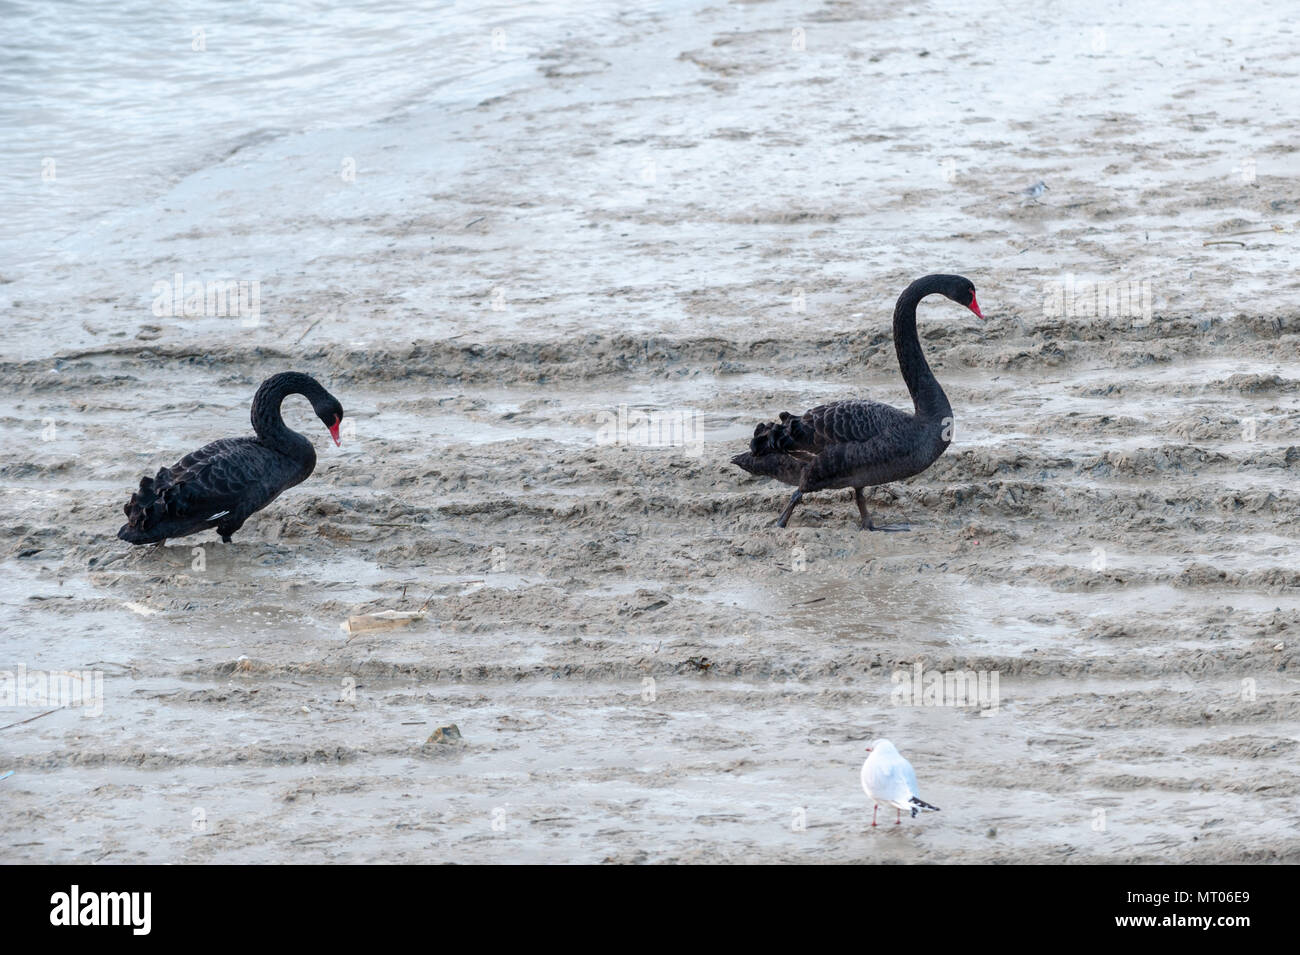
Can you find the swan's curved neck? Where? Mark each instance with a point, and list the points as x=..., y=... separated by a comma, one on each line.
x=927, y=397
x=267, y=421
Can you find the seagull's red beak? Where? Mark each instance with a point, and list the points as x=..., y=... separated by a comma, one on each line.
x=334, y=429
x=974, y=306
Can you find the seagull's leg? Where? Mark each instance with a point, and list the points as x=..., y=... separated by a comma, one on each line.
x=866, y=518
x=899, y=820
x=789, y=509
x=874, y=810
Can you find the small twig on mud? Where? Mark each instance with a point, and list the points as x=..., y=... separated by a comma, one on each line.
x=1273, y=228
x=30, y=718
x=309, y=328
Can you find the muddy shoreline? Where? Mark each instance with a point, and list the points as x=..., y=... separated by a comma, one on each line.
x=642, y=667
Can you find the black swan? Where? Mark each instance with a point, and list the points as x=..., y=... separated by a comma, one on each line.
x=223, y=484
x=861, y=444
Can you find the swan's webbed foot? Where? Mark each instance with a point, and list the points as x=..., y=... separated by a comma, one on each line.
x=789, y=509
x=866, y=524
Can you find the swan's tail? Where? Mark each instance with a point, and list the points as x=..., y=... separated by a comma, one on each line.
x=783, y=467
x=147, y=508
x=918, y=805
x=779, y=449
x=782, y=437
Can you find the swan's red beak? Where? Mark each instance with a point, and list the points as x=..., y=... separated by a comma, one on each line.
x=334, y=430
x=974, y=306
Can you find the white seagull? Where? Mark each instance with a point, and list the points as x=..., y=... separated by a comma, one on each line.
x=887, y=777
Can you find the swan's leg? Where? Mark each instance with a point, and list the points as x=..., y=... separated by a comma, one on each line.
x=789, y=509
x=866, y=518
x=862, y=508
x=228, y=525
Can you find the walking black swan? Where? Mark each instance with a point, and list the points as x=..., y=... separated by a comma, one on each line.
x=857, y=444
x=223, y=484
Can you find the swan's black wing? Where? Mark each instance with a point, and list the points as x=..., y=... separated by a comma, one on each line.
x=219, y=485
x=784, y=449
